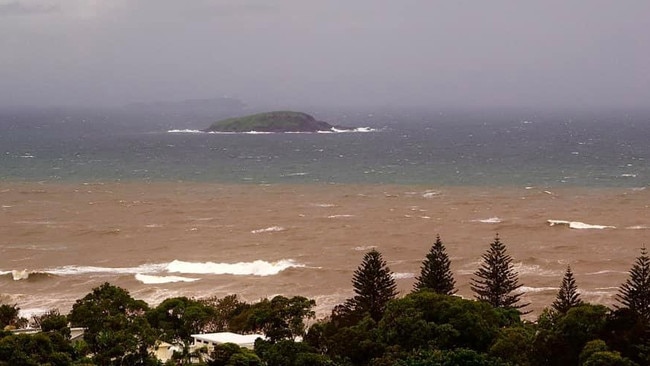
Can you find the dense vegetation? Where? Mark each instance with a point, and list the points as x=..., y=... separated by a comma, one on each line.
x=280, y=121
x=375, y=327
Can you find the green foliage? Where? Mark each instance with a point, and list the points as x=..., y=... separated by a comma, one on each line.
x=224, y=312
x=628, y=333
x=568, y=296
x=634, y=294
x=514, y=345
x=456, y=357
x=561, y=338
x=230, y=354
x=496, y=281
x=289, y=353
x=116, y=330
x=9, y=316
x=373, y=285
x=176, y=319
x=278, y=318
x=435, y=273
x=32, y=349
x=279, y=121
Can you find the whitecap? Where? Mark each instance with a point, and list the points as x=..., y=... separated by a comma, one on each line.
x=268, y=229
x=605, y=271
x=578, y=225
x=149, y=279
x=402, y=275
x=255, y=268
x=638, y=227
x=338, y=216
x=20, y=274
x=491, y=220
x=323, y=204
x=185, y=131
x=534, y=270
x=430, y=194
x=628, y=175
x=364, y=248
x=526, y=289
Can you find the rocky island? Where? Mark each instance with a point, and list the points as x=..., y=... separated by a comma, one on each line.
x=279, y=121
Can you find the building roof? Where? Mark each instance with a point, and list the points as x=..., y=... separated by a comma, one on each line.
x=228, y=337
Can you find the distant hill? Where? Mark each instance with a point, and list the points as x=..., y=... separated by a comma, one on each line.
x=278, y=121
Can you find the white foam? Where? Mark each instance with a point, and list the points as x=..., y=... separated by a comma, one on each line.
x=78, y=270
x=338, y=216
x=364, y=248
x=185, y=131
x=149, y=279
x=534, y=270
x=525, y=289
x=605, y=271
x=20, y=274
x=402, y=275
x=323, y=204
x=430, y=194
x=268, y=229
x=638, y=227
x=491, y=220
x=578, y=225
x=255, y=268
x=298, y=174
x=628, y=175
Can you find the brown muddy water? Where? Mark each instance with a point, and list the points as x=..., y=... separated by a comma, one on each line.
x=158, y=240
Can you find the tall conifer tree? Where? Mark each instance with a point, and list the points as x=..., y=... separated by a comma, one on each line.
x=634, y=294
x=435, y=272
x=568, y=296
x=496, y=281
x=373, y=284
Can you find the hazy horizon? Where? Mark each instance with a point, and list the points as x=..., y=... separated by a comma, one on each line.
x=441, y=54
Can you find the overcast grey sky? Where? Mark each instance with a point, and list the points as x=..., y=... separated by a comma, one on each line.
x=287, y=52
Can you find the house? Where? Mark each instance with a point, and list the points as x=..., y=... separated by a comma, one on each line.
x=210, y=340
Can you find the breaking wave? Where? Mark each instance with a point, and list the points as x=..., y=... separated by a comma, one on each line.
x=268, y=229
x=157, y=271
x=491, y=220
x=578, y=225
x=255, y=268
x=150, y=280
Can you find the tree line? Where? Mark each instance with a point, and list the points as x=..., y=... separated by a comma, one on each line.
x=375, y=327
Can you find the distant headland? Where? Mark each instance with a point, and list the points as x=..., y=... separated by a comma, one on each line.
x=277, y=121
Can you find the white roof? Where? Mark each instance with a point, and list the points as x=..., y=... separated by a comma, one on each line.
x=227, y=337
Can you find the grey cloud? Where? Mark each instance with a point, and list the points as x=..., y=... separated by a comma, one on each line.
x=21, y=8
x=542, y=53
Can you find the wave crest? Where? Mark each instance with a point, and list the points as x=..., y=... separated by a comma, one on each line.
x=255, y=268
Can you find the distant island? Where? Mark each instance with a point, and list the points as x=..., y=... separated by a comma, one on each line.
x=278, y=121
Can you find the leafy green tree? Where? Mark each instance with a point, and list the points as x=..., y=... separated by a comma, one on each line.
x=435, y=272
x=10, y=316
x=596, y=353
x=496, y=282
x=456, y=357
x=230, y=354
x=225, y=310
x=626, y=332
x=373, y=285
x=514, y=345
x=176, y=319
x=561, y=338
x=117, y=333
x=279, y=318
x=634, y=294
x=290, y=353
x=568, y=296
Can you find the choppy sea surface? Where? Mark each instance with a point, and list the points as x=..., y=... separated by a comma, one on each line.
x=609, y=149
x=151, y=204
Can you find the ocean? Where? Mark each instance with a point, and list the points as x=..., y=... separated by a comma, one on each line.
x=150, y=203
